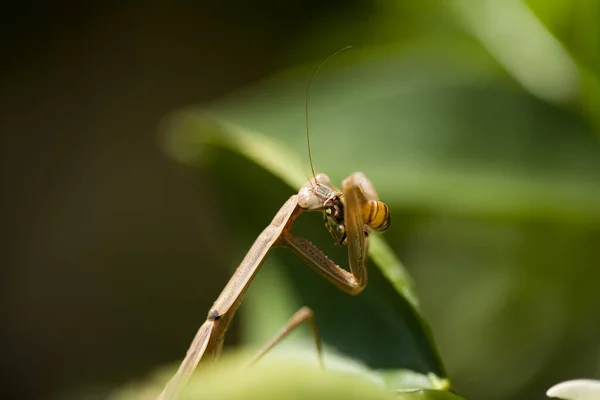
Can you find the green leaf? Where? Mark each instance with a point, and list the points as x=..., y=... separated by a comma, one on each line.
x=524, y=47
x=446, y=141
x=273, y=379
x=402, y=335
x=427, y=394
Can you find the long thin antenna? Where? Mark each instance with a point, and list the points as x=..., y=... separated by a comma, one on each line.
x=312, y=168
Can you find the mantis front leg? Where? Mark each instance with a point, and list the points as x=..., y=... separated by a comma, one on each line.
x=354, y=212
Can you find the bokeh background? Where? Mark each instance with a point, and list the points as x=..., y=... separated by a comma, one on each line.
x=478, y=122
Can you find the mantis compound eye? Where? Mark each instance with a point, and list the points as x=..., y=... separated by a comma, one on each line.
x=316, y=193
x=323, y=180
x=308, y=200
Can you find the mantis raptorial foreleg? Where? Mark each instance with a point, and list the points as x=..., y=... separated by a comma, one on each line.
x=350, y=213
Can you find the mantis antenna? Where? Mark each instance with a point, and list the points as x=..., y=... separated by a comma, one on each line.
x=312, y=168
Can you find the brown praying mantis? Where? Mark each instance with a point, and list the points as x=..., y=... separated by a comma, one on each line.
x=349, y=216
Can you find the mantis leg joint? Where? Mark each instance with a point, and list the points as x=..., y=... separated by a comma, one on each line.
x=213, y=315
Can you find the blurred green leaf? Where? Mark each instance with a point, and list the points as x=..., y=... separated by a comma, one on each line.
x=409, y=379
x=274, y=379
x=513, y=34
x=427, y=394
x=549, y=47
x=452, y=143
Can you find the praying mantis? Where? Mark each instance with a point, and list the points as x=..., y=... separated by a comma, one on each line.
x=349, y=215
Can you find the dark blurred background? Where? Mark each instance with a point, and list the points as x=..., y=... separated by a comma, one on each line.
x=110, y=239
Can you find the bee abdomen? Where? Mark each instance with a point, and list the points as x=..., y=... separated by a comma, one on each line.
x=376, y=215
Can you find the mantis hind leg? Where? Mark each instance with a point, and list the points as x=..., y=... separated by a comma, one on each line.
x=304, y=314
